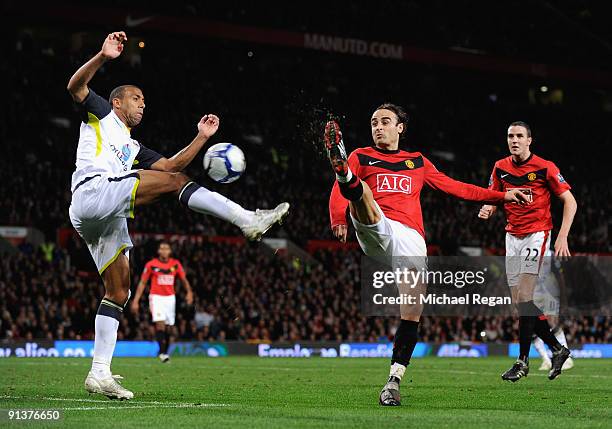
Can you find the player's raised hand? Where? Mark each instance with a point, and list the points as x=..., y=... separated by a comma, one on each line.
x=113, y=45
x=486, y=211
x=516, y=196
x=340, y=232
x=562, y=248
x=208, y=125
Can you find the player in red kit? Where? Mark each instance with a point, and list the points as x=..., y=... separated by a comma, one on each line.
x=381, y=186
x=528, y=239
x=162, y=299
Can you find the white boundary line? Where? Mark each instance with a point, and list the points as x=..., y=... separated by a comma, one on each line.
x=137, y=404
x=134, y=407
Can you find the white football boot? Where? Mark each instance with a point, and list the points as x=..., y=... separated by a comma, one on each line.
x=108, y=386
x=263, y=220
x=546, y=365
x=568, y=364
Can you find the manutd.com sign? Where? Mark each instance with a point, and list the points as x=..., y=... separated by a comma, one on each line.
x=345, y=45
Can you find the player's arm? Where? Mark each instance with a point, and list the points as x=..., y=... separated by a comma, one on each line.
x=337, y=213
x=488, y=210
x=338, y=205
x=111, y=48
x=561, y=189
x=139, y=291
x=186, y=284
x=142, y=284
x=570, y=206
x=207, y=127
x=466, y=191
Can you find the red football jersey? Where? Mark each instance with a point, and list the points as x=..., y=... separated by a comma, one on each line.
x=162, y=275
x=396, y=179
x=539, y=178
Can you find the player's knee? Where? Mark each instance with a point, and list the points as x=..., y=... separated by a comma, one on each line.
x=524, y=296
x=179, y=180
x=119, y=296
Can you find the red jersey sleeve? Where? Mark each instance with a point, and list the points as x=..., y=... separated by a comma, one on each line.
x=556, y=182
x=146, y=273
x=337, y=203
x=494, y=182
x=180, y=271
x=465, y=191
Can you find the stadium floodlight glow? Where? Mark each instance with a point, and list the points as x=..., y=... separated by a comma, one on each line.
x=141, y=44
x=544, y=88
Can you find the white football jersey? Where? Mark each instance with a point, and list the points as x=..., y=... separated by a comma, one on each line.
x=105, y=145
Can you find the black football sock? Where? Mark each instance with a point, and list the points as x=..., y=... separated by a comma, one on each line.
x=405, y=340
x=160, y=337
x=542, y=330
x=167, y=342
x=527, y=320
x=351, y=190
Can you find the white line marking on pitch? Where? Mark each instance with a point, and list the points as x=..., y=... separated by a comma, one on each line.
x=132, y=407
x=141, y=404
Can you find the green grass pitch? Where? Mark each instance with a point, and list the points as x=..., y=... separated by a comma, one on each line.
x=314, y=393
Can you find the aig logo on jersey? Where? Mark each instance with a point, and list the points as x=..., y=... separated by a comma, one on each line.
x=393, y=183
x=165, y=279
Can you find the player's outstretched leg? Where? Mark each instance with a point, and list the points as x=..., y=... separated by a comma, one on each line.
x=362, y=205
x=253, y=224
x=117, y=284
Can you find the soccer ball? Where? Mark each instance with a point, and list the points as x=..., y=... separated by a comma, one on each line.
x=224, y=162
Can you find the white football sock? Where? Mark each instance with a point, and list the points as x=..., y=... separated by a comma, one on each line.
x=397, y=370
x=211, y=203
x=539, y=346
x=560, y=336
x=104, y=345
x=344, y=179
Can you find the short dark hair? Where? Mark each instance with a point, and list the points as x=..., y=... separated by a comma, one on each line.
x=119, y=92
x=164, y=242
x=521, y=124
x=402, y=116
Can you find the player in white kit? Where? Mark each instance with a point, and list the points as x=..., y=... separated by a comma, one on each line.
x=114, y=175
x=547, y=296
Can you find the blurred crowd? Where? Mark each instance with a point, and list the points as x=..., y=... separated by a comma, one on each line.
x=273, y=103
x=242, y=292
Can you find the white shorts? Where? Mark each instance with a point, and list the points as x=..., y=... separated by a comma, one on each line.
x=392, y=243
x=99, y=210
x=163, y=308
x=525, y=254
